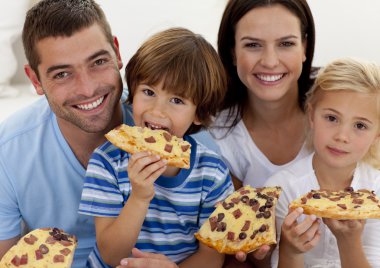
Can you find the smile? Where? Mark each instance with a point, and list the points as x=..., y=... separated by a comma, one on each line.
x=92, y=105
x=270, y=78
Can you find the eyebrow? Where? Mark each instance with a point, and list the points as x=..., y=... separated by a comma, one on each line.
x=287, y=37
x=64, y=66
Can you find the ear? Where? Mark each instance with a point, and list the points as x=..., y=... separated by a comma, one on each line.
x=304, y=45
x=196, y=121
x=118, y=57
x=310, y=115
x=34, y=79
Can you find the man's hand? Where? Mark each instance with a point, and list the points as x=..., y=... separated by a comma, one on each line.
x=146, y=260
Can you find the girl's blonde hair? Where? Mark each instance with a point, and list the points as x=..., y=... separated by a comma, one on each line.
x=348, y=74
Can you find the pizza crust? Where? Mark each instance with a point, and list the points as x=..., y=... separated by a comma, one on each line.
x=136, y=139
x=249, y=229
x=42, y=248
x=344, y=205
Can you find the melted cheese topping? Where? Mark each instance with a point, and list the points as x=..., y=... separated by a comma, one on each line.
x=359, y=203
x=136, y=139
x=236, y=225
x=22, y=248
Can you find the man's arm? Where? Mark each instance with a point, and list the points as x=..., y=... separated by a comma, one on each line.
x=5, y=245
x=205, y=257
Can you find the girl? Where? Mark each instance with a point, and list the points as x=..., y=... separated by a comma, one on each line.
x=343, y=110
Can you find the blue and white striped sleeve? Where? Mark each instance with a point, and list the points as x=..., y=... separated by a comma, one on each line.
x=101, y=195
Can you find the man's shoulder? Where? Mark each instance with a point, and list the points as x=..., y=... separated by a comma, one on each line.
x=25, y=120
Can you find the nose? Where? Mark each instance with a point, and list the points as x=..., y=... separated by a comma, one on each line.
x=158, y=108
x=85, y=84
x=269, y=57
x=342, y=134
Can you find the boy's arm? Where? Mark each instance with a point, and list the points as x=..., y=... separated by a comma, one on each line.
x=117, y=236
x=5, y=245
x=205, y=257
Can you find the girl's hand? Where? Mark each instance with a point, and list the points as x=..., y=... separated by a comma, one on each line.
x=143, y=170
x=298, y=238
x=345, y=229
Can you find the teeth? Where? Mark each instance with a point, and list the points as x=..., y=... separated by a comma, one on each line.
x=269, y=78
x=92, y=105
x=152, y=126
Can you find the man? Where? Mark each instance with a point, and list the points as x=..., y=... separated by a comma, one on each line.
x=74, y=61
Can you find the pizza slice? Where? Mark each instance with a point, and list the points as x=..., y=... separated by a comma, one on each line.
x=344, y=204
x=136, y=139
x=42, y=248
x=244, y=221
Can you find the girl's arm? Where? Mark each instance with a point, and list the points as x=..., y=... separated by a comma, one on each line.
x=297, y=238
x=348, y=235
x=117, y=236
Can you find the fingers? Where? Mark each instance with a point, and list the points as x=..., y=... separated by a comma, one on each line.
x=241, y=256
x=141, y=254
x=262, y=252
x=292, y=217
x=303, y=235
x=144, y=165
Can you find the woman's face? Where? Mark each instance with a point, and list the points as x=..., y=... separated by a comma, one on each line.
x=269, y=52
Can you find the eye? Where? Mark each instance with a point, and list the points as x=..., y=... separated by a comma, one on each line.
x=148, y=92
x=60, y=75
x=361, y=126
x=287, y=44
x=252, y=45
x=331, y=118
x=99, y=62
x=177, y=101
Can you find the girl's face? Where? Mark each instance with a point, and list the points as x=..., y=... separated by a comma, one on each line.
x=269, y=52
x=344, y=124
x=157, y=108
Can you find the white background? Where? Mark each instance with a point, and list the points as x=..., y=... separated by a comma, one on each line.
x=343, y=28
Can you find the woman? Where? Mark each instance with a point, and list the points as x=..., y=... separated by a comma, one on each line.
x=267, y=49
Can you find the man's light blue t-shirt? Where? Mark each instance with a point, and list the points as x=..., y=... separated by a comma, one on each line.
x=41, y=180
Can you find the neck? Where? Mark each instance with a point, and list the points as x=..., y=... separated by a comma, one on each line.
x=83, y=143
x=332, y=178
x=272, y=114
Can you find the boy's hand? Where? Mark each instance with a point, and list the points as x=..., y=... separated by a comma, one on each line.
x=298, y=238
x=143, y=170
x=345, y=229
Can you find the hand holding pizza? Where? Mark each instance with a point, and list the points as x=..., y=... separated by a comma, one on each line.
x=298, y=238
x=143, y=170
x=345, y=229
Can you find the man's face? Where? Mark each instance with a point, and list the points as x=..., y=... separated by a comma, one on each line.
x=80, y=77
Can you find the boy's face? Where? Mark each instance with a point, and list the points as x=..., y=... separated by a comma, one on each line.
x=80, y=77
x=156, y=108
x=345, y=124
